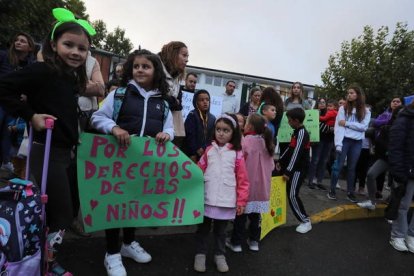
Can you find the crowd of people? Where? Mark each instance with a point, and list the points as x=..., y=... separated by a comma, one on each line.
x=235, y=150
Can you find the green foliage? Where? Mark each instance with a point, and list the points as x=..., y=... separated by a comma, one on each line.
x=35, y=17
x=31, y=16
x=99, y=39
x=117, y=43
x=383, y=67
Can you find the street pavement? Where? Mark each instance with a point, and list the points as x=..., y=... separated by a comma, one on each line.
x=355, y=247
x=355, y=243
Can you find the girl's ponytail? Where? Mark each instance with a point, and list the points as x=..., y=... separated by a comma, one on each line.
x=268, y=137
x=260, y=127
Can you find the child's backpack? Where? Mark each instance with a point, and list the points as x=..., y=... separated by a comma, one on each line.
x=22, y=213
x=119, y=96
x=20, y=228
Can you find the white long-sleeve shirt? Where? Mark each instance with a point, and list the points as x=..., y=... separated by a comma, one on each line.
x=353, y=129
x=103, y=122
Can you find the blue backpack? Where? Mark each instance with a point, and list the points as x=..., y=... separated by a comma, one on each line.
x=119, y=96
x=21, y=228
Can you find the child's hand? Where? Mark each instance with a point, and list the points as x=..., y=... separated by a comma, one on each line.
x=162, y=137
x=200, y=152
x=285, y=177
x=278, y=167
x=240, y=210
x=39, y=121
x=342, y=123
x=122, y=136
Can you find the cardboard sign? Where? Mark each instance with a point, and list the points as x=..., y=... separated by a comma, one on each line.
x=311, y=124
x=143, y=185
x=277, y=213
x=187, y=103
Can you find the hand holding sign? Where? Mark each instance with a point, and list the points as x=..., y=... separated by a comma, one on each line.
x=146, y=184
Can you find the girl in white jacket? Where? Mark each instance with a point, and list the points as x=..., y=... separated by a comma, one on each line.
x=350, y=126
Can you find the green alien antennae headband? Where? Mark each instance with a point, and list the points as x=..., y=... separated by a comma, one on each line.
x=63, y=15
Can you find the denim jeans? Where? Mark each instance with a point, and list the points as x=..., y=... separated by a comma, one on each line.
x=402, y=227
x=380, y=166
x=351, y=150
x=320, y=155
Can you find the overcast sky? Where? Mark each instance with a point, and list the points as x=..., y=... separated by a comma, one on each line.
x=289, y=40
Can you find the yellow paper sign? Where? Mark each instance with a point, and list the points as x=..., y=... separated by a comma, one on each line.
x=277, y=209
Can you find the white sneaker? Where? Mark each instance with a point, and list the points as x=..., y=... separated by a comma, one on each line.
x=399, y=244
x=367, y=204
x=135, y=252
x=304, y=227
x=232, y=247
x=337, y=185
x=409, y=240
x=253, y=245
x=113, y=265
x=8, y=166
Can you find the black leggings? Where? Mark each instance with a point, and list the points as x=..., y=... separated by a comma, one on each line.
x=112, y=238
x=59, y=214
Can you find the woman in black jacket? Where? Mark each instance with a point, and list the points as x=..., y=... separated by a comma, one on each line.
x=401, y=161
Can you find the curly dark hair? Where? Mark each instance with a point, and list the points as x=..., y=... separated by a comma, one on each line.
x=159, y=80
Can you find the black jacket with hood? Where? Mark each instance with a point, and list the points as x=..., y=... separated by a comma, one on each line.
x=401, y=146
x=198, y=135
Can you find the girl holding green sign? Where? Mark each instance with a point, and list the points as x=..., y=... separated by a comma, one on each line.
x=141, y=113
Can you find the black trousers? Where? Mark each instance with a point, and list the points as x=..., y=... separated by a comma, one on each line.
x=239, y=228
x=293, y=188
x=113, y=245
x=59, y=213
x=219, y=232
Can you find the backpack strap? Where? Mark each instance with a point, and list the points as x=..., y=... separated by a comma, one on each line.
x=118, y=99
x=166, y=110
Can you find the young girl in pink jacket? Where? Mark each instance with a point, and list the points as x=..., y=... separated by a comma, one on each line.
x=258, y=149
x=226, y=189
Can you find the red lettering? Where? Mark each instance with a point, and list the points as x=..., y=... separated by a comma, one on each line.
x=90, y=169
x=160, y=150
x=109, y=150
x=105, y=187
x=133, y=210
x=97, y=141
x=103, y=171
x=147, y=152
x=129, y=172
x=176, y=152
x=159, y=168
x=163, y=211
x=112, y=212
x=117, y=188
x=121, y=152
x=184, y=166
x=146, y=211
x=173, y=183
x=143, y=167
x=117, y=166
x=146, y=190
x=159, y=187
x=173, y=168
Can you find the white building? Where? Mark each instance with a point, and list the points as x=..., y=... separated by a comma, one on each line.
x=214, y=81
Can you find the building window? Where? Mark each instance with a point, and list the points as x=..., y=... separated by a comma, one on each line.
x=217, y=81
x=209, y=79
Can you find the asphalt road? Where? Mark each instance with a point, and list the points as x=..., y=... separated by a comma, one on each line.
x=358, y=247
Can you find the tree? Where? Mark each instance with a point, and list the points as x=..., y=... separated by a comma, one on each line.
x=78, y=8
x=117, y=43
x=382, y=67
x=99, y=39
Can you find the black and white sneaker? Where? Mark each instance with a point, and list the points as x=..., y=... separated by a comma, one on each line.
x=351, y=197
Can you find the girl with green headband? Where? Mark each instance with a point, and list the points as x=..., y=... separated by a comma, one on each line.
x=52, y=88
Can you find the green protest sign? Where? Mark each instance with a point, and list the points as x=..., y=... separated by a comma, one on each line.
x=143, y=185
x=311, y=123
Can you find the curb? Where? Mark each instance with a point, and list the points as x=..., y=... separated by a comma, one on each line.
x=348, y=212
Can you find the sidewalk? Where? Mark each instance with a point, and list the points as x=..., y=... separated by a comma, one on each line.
x=317, y=205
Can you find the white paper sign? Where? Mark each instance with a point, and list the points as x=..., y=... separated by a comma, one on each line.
x=187, y=102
